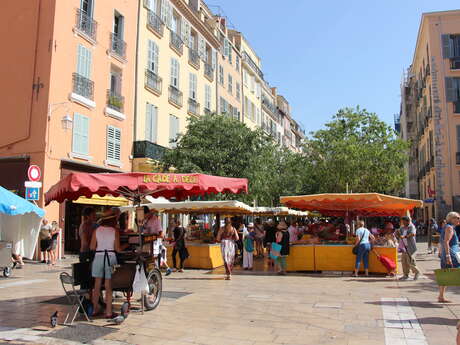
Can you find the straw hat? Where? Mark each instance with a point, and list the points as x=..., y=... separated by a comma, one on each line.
x=250, y=225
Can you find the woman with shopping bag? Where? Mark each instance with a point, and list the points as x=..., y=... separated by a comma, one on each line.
x=450, y=249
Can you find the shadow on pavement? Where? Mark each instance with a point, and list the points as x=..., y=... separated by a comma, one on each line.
x=417, y=304
x=442, y=321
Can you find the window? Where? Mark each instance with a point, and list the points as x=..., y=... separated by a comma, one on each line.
x=175, y=73
x=115, y=80
x=450, y=46
x=238, y=90
x=230, y=83
x=80, y=134
x=84, y=60
x=113, y=144
x=237, y=63
x=151, y=122
x=245, y=78
x=118, y=25
x=453, y=92
x=152, y=57
x=87, y=6
x=192, y=86
x=223, y=106
x=253, y=84
x=246, y=107
x=221, y=74
x=258, y=115
x=258, y=90
x=173, y=130
x=207, y=97
x=253, y=112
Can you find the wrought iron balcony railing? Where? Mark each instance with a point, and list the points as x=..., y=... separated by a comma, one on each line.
x=115, y=101
x=83, y=86
x=176, y=42
x=268, y=105
x=209, y=71
x=193, y=107
x=250, y=62
x=147, y=149
x=194, y=57
x=117, y=45
x=85, y=24
x=175, y=96
x=153, y=81
x=155, y=23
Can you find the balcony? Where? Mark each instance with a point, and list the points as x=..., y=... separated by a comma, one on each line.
x=269, y=106
x=208, y=71
x=83, y=86
x=155, y=23
x=207, y=111
x=147, y=149
x=175, y=96
x=85, y=24
x=117, y=46
x=115, y=101
x=252, y=64
x=194, y=58
x=193, y=107
x=153, y=82
x=176, y=43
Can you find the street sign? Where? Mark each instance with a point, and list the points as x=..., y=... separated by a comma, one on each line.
x=34, y=173
x=429, y=201
x=33, y=184
x=32, y=193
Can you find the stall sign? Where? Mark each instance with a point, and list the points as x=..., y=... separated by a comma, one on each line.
x=32, y=193
x=170, y=178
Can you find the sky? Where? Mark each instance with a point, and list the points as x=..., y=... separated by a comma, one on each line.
x=326, y=55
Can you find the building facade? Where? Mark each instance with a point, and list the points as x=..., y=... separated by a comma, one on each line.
x=74, y=97
x=429, y=115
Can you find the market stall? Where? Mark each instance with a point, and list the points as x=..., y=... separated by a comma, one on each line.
x=135, y=187
x=204, y=252
x=332, y=244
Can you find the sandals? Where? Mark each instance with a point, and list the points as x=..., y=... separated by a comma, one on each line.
x=443, y=300
x=112, y=316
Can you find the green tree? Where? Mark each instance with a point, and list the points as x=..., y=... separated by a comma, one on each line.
x=220, y=145
x=358, y=149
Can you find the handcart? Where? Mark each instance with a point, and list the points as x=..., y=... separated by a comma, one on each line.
x=6, y=249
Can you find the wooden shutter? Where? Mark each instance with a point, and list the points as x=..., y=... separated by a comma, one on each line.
x=80, y=135
x=113, y=143
x=202, y=48
x=153, y=53
x=84, y=60
x=151, y=122
x=447, y=47
x=214, y=58
x=173, y=129
x=175, y=73
x=192, y=86
x=458, y=138
x=451, y=90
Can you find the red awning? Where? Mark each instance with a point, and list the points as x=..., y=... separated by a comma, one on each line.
x=136, y=185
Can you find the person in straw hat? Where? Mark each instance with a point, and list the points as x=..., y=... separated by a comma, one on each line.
x=282, y=238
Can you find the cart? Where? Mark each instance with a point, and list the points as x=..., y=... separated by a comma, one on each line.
x=6, y=249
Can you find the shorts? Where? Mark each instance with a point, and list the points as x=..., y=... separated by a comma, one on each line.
x=99, y=270
x=44, y=245
x=53, y=245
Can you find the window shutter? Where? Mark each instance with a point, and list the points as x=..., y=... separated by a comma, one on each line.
x=177, y=73
x=226, y=47
x=164, y=11
x=80, y=134
x=447, y=47
x=214, y=58
x=192, y=86
x=85, y=135
x=451, y=90
x=458, y=138
x=151, y=119
x=117, y=145
x=76, y=137
x=202, y=48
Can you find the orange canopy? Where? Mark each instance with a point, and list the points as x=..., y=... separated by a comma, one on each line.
x=360, y=204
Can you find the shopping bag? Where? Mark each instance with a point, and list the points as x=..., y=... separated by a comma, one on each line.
x=275, y=251
x=448, y=276
x=140, y=283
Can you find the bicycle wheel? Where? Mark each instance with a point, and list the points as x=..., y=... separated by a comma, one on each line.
x=153, y=297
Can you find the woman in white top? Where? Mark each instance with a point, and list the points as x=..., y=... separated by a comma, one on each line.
x=363, y=238
x=105, y=241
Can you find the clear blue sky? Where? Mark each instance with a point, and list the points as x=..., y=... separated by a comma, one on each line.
x=325, y=55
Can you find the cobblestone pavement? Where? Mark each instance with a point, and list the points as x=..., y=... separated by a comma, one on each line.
x=199, y=307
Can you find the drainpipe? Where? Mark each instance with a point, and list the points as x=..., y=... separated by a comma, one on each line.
x=136, y=76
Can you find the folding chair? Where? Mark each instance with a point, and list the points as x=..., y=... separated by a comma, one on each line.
x=75, y=298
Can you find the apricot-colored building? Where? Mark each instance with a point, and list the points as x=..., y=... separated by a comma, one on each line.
x=429, y=117
x=67, y=94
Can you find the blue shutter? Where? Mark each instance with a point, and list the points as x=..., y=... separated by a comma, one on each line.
x=151, y=123
x=447, y=47
x=451, y=90
x=80, y=134
x=113, y=143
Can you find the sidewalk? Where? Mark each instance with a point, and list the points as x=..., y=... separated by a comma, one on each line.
x=202, y=308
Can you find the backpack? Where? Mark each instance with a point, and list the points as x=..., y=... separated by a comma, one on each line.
x=248, y=244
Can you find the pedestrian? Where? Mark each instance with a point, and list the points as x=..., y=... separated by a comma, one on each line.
x=363, y=238
x=293, y=232
x=45, y=241
x=179, y=246
x=105, y=242
x=270, y=234
x=282, y=238
x=432, y=230
x=227, y=237
x=408, y=247
x=55, y=230
x=152, y=225
x=248, y=247
x=259, y=238
x=449, y=248
x=85, y=232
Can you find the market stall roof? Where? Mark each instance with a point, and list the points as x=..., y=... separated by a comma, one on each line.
x=277, y=211
x=362, y=204
x=12, y=204
x=137, y=185
x=198, y=207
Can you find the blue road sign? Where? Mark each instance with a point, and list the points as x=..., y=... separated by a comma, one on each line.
x=32, y=193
